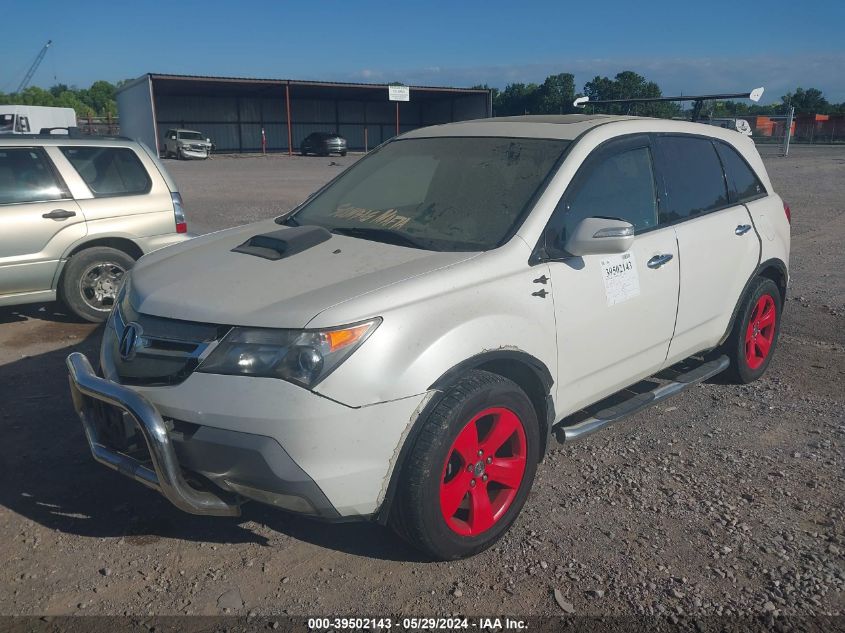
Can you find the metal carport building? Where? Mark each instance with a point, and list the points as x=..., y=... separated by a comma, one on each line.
x=232, y=111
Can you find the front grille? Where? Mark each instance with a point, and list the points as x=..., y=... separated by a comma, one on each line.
x=166, y=351
x=198, y=148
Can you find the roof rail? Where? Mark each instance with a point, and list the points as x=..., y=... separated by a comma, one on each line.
x=70, y=133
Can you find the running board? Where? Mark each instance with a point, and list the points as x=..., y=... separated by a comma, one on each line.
x=634, y=404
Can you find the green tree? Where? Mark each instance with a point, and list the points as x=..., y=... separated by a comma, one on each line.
x=101, y=97
x=629, y=85
x=809, y=101
x=556, y=94
x=516, y=99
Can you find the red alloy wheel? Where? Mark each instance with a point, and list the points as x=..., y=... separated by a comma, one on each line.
x=760, y=333
x=483, y=471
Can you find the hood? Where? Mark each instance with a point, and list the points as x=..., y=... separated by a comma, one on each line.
x=204, y=280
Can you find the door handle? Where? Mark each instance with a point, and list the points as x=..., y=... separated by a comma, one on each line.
x=59, y=214
x=742, y=229
x=658, y=260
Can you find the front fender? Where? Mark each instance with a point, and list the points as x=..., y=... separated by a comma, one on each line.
x=420, y=341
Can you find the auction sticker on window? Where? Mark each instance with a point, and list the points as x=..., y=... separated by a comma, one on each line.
x=621, y=281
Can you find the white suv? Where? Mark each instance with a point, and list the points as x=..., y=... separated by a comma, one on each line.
x=404, y=345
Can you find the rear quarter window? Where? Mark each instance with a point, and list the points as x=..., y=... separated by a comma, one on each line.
x=692, y=171
x=742, y=181
x=109, y=171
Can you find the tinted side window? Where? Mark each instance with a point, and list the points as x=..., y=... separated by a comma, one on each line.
x=26, y=176
x=109, y=171
x=694, y=178
x=615, y=186
x=742, y=180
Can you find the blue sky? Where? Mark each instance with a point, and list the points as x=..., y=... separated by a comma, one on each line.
x=685, y=46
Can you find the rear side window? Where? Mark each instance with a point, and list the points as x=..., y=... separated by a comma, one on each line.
x=693, y=175
x=109, y=171
x=617, y=186
x=27, y=176
x=742, y=181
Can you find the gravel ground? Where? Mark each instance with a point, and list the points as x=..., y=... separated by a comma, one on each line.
x=726, y=500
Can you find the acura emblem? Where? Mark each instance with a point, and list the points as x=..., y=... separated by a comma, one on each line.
x=129, y=341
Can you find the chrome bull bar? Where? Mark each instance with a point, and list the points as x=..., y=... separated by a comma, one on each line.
x=165, y=475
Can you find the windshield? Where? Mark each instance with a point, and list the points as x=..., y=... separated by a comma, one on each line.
x=191, y=136
x=447, y=194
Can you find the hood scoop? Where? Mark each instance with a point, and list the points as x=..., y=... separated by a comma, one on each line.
x=283, y=243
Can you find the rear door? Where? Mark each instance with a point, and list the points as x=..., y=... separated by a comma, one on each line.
x=718, y=245
x=124, y=200
x=38, y=220
x=612, y=329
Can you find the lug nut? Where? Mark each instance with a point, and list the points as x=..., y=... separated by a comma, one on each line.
x=480, y=452
x=484, y=478
x=472, y=483
x=470, y=468
x=489, y=460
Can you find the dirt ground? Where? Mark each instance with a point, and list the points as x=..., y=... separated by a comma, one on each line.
x=726, y=500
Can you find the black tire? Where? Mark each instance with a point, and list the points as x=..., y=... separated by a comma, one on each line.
x=416, y=514
x=303, y=151
x=343, y=153
x=76, y=293
x=745, y=355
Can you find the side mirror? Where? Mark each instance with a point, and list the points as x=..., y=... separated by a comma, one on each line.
x=599, y=236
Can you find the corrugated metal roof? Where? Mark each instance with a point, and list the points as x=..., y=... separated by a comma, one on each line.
x=294, y=82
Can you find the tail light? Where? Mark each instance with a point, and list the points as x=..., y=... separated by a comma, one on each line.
x=788, y=213
x=179, y=213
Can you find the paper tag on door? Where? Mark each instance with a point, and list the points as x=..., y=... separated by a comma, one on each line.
x=621, y=280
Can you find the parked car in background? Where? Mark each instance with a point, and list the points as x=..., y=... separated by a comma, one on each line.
x=405, y=345
x=75, y=214
x=186, y=144
x=323, y=144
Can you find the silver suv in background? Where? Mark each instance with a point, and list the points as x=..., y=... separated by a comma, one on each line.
x=186, y=144
x=75, y=214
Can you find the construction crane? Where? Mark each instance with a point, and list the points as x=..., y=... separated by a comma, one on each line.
x=34, y=67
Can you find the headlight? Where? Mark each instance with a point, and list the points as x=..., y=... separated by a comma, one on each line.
x=303, y=357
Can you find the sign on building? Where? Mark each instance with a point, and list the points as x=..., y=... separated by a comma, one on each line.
x=399, y=93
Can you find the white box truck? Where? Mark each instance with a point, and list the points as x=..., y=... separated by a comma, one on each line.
x=27, y=119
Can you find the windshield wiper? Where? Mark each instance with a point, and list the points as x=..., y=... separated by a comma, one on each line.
x=287, y=220
x=379, y=235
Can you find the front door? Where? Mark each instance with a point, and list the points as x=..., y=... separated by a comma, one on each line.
x=615, y=313
x=38, y=220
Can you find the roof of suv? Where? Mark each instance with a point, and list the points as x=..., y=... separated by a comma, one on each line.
x=559, y=126
x=64, y=139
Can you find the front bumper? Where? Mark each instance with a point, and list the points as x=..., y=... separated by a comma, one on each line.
x=193, y=153
x=165, y=475
x=256, y=438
